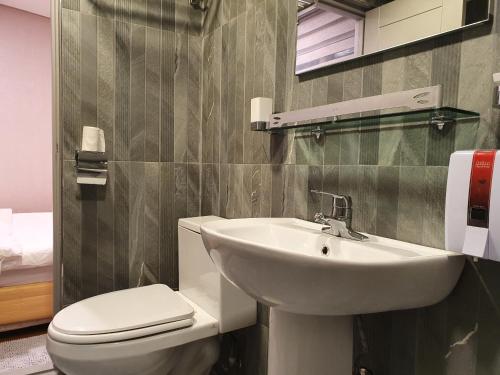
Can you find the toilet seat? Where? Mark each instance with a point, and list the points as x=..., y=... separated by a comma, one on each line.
x=204, y=326
x=122, y=315
x=117, y=336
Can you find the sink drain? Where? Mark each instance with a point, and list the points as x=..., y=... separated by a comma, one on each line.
x=325, y=250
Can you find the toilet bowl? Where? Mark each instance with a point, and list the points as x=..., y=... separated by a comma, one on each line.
x=153, y=330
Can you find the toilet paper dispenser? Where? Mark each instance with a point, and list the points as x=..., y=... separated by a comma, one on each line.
x=472, y=213
x=91, y=161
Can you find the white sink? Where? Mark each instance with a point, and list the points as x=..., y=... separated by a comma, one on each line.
x=282, y=263
x=315, y=282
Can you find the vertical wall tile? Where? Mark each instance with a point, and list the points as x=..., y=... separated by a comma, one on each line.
x=210, y=190
x=181, y=99
x=434, y=205
x=71, y=236
x=137, y=93
x=88, y=71
x=121, y=225
x=248, y=135
x=168, y=265
x=365, y=209
x=153, y=92
x=387, y=201
x=194, y=104
x=105, y=233
x=266, y=191
x=106, y=79
x=88, y=194
x=411, y=205
x=122, y=92
x=193, y=190
x=70, y=82
x=370, y=137
x=136, y=222
x=167, y=96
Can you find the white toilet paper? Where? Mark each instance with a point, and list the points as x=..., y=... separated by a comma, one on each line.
x=93, y=139
x=476, y=241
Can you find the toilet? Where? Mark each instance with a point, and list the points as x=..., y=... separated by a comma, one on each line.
x=154, y=330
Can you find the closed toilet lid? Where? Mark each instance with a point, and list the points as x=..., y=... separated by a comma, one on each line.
x=122, y=311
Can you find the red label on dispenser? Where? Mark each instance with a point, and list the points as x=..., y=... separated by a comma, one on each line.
x=480, y=188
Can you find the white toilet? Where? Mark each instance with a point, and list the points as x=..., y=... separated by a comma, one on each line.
x=154, y=330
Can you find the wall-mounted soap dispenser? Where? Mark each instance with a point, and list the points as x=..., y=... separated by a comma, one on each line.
x=472, y=214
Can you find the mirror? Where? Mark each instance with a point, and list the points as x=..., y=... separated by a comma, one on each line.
x=330, y=31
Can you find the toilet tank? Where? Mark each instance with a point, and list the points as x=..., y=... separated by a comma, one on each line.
x=200, y=281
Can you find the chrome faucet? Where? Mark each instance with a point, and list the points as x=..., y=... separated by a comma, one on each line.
x=338, y=223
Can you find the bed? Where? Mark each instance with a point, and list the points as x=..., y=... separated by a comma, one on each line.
x=25, y=268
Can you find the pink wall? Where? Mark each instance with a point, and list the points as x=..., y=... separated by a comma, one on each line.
x=25, y=111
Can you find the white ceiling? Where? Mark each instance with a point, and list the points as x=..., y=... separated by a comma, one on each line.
x=40, y=7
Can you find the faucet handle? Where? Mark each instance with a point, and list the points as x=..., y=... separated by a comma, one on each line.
x=345, y=198
x=319, y=217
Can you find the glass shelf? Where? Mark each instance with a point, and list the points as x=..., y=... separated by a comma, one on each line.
x=438, y=117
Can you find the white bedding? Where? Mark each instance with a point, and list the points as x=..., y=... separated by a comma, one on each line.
x=25, y=240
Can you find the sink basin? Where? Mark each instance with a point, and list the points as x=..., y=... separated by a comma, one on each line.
x=289, y=264
x=314, y=283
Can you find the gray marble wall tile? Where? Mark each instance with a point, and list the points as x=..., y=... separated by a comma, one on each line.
x=462, y=321
x=248, y=135
x=475, y=87
x=210, y=190
x=488, y=319
x=121, y=225
x=137, y=93
x=181, y=99
x=105, y=233
x=167, y=95
x=283, y=191
x=88, y=66
x=194, y=104
x=89, y=228
x=71, y=236
x=434, y=204
x=301, y=193
x=411, y=205
x=152, y=97
x=70, y=82
x=366, y=212
x=403, y=342
x=180, y=204
x=168, y=15
x=70, y=4
x=314, y=182
x=330, y=185
x=193, y=190
x=266, y=187
x=248, y=191
x=154, y=13
x=168, y=264
x=387, y=201
x=234, y=191
x=136, y=222
x=212, y=54
x=122, y=10
x=122, y=92
x=370, y=138
x=223, y=189
x=106, y=79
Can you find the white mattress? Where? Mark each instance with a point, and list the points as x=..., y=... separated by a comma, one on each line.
x=28, y=243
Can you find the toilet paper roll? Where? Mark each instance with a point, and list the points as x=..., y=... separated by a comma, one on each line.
x=93, y=139
x=476, y=241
